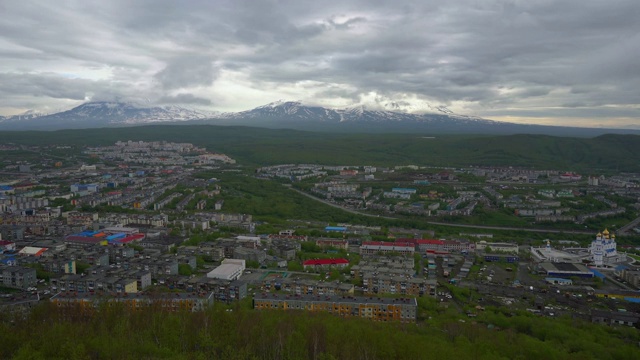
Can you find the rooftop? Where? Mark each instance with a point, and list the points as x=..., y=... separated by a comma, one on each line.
x=339, y=299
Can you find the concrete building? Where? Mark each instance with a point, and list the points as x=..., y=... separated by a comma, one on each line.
x=223, y=290
x=332, y=243
x=377, y=309
x=631, y=276
x=497, y=246
x=19, y=277
x=309, y=287
x=565, y=270
x=615, y=318
x=87, y=303
x=249, y=254
x=325, y=264
x=387, y=284
x=380, y=247
x=230, y=269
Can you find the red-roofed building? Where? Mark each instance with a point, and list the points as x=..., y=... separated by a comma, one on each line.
x=7, y=245
x=439, y=246
x=325, y=264
x=32, y=251
x=431, y=245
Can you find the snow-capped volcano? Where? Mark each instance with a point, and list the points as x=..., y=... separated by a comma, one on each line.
x=104, y=113
x=284, y=113
x=295, y=111
x=389, y=117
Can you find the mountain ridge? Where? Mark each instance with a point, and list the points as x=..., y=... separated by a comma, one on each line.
x=290, y=115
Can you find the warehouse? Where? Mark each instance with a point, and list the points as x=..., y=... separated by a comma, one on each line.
x=565, y=270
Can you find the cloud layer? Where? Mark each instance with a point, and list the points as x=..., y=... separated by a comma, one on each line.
x=560, y=62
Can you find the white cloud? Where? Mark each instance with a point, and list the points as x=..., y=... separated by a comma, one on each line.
x=568, y=62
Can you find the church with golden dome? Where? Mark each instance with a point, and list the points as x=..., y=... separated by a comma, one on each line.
x=603, y=248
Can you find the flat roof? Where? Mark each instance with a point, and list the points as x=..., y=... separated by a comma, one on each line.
x=564, y=267
x=225, y=270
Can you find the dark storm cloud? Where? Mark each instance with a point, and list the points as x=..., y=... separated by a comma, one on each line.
x=494, y=58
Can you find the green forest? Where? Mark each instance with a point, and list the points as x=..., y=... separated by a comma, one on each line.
x=239, y=332
x=258, y=147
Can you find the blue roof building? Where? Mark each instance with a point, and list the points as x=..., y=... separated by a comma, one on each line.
x=335, y=228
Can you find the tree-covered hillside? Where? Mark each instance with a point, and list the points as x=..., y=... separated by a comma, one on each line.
x=241, y=333
x=257, y=146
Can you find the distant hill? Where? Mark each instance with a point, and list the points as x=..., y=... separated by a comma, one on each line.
x=258, y=146
x=289, y=115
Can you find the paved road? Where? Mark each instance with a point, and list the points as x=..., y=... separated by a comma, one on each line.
x=512, y=228
x=625, y=229
x=440, y=223
x=338, y=206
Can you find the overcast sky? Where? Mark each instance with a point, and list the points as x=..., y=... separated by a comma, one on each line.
x=543, y=61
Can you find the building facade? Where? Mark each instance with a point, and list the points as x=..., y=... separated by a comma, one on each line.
x=376, y=309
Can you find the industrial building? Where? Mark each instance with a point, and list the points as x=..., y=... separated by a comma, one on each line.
x=565, y=270
x=377, y=309
x=498, y=246
x=113, y=235
x=615, y=318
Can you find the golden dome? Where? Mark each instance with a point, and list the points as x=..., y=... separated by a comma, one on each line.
x=599, y=234
x=605, y=232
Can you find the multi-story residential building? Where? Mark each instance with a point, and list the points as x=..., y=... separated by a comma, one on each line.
x=392, y=266
x=440, y=246
x=120, y=253
x=11, y=232
x=380, y=247
x=189, y=260
x=385, y=284
x=249, y=254
x=333, y=243
x=56, y=266
x=325, y=264
x=309, y=287
x=223, y=290
x=87, y=303
x=377, y=309
x=18, y=277
x=155, y=266
x=631, y=276
x=76, y=218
